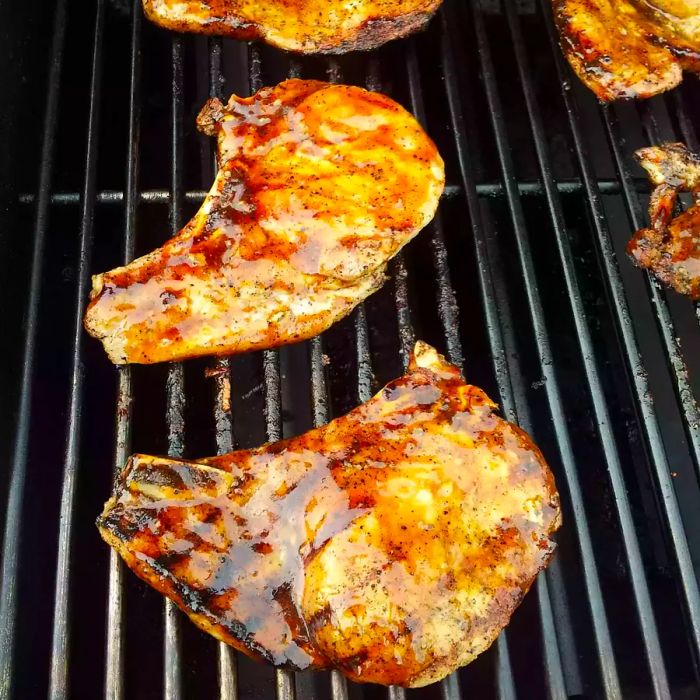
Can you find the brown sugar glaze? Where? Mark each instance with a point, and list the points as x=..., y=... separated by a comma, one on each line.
x=392, y=544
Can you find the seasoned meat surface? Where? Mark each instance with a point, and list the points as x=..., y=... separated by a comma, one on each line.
x=318, y=187
x=304, y=26
x=393, y=544
x=630, y=48
x=670, y=248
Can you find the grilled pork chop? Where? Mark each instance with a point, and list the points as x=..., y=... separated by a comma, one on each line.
x=318, y=187
x=311, y=26
x=630, y=48
x=671, y=247
x=393, y=544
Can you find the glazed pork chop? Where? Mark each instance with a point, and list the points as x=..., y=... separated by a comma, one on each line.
x=393, y=543
x=670, y=247
x=318, y=187
x=630, y=48
x=309, y=26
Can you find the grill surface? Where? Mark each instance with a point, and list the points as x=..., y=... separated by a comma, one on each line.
x=521, y=279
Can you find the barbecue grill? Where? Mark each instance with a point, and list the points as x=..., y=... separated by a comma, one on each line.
x=521, y=280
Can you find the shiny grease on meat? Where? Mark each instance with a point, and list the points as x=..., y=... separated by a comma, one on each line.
x=302, y=26
x=630, y=48
x=393, y=543
x=318, y=187
x=670, y=247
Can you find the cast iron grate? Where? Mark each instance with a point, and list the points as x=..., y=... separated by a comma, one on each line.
x=521, y=280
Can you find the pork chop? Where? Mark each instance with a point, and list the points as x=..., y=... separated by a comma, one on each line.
x=393, y=543
x=318, y=187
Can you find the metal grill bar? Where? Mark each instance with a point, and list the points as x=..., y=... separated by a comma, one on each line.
x=447, y=305
x=365, y=376
x=59, y=680
x=113, y=689
x=339, y=686
x=554, y=669
x=486, y=284
x=561, y=668
x=643, y=600
x=601, y=630
x=13, y=514
x=407, y=336
x=175, y=389
x=649, y=121
x=667, y=497
x=684, y=121
x=690, y=137
x=448, y=319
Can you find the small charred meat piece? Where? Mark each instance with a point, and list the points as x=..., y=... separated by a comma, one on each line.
x=671, y=247
x=393, y=543
x=630, y=48
x=308, y=26
x=318, y=187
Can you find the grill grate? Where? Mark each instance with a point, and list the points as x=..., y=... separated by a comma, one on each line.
x=520, y=279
